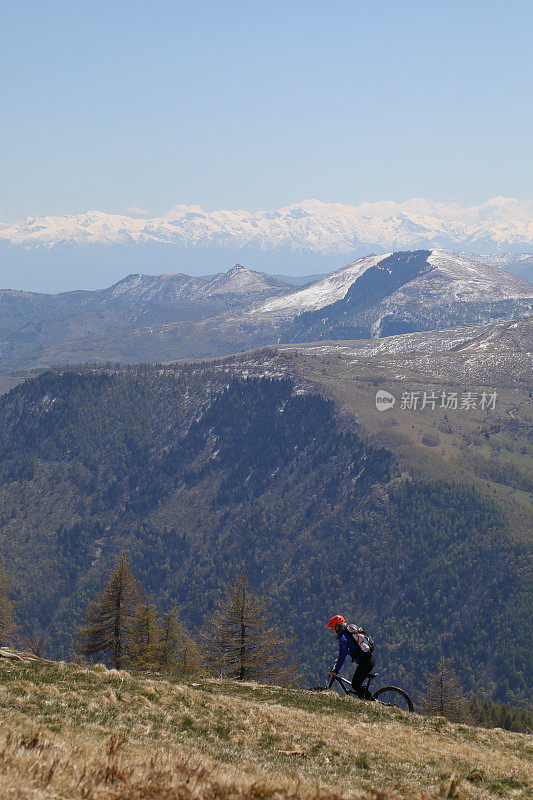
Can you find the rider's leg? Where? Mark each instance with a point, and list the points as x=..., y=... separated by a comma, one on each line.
x=365, y=665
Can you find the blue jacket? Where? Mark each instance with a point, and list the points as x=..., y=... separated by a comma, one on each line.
x=347, y=645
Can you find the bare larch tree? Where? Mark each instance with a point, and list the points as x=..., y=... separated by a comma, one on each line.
x=145, y=638
x=443, y=694
x=178, y=653
x=110, y=618
x=239, y=642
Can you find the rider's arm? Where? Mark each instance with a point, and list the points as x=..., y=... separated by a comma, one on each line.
x=343, y=649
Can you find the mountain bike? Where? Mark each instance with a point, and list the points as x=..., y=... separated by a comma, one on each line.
x=387, y=695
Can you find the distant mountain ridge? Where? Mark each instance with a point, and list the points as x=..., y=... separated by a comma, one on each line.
x=306, y=236
x=310, y=224
x=410, y=291
x=181, y=295
x=168, y=317
x=31, y=321
x=237, y=282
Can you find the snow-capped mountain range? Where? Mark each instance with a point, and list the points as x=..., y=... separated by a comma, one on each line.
x=301, y=237
x=311, y=225
x=166, y=317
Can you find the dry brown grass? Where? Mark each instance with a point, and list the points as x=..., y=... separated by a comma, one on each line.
x=72, y=732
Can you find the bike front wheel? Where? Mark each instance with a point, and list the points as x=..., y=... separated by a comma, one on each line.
x=392, y=696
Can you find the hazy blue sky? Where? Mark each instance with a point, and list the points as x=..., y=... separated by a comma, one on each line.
x=255, y=105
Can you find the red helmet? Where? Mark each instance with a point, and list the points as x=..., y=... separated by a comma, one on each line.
x=336, y=620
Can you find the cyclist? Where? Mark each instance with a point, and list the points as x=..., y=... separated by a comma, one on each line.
x=348, y=645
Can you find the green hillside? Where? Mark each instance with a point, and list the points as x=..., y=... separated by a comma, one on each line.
x=199, y=471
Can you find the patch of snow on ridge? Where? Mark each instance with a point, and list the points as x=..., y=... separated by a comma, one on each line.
x=142, y=288
x=468, y=279
x=501, y=260
x=418, y=342
x=240, y=280
x=322, y=293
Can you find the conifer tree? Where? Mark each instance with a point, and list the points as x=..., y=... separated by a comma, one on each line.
x=239, y=642
x=109, y=620
x=443, y=694
x=145, y=638
x=178, y=652
x=7, y=616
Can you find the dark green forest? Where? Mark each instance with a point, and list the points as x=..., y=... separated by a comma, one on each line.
x=198, y=474
x=489, y=714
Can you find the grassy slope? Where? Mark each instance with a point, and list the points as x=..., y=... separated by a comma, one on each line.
x=75, y=732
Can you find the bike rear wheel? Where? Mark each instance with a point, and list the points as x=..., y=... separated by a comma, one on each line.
x=393, y=696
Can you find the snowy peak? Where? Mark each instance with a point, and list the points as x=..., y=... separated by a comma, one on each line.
x=311, y=225
x=398, y=293
x=443, y=276
x=241, y=280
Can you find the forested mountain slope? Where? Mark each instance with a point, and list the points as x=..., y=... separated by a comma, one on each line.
x=201, y=470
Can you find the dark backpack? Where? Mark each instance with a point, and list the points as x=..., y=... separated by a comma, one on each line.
x=361, y=638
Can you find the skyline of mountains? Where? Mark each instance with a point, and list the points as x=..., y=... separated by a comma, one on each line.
x=54, y=253
x=172, y=317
